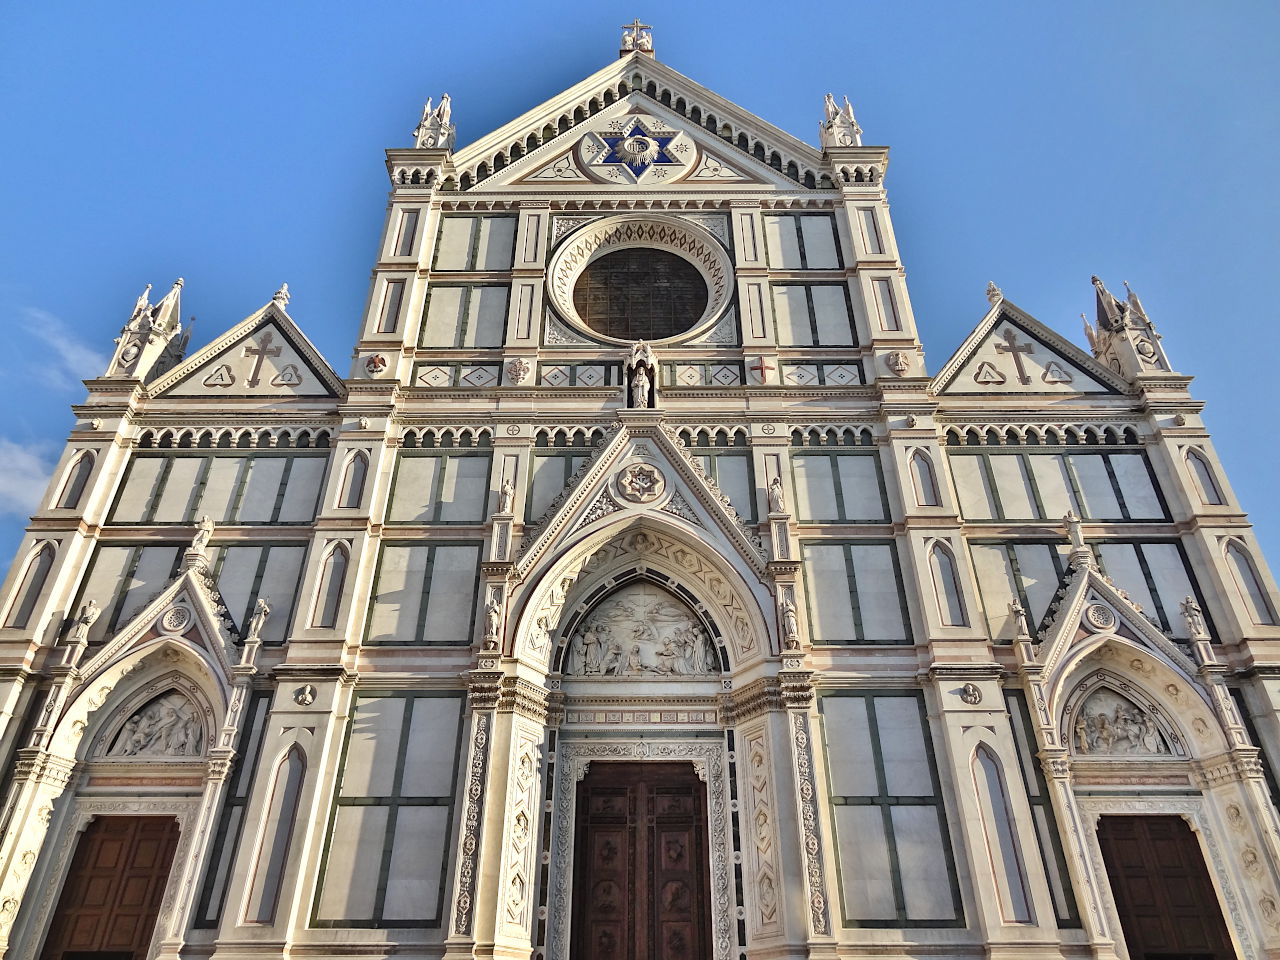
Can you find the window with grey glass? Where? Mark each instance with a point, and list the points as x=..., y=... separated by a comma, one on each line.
x=433, y=487
x=894, y=862
x=802, y=241
x=465, y=315
x=838, y=487
x=424, y=593
x=812, y=314
x=475, y=243
x=854, y=592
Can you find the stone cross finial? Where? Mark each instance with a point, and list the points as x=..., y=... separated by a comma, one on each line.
x=636, y=37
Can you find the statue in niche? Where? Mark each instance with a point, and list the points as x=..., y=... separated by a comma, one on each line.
x=506, y=496
x=1110, y=724
x=167, y=726
x=89, y=613
x=790, y=622
x=640, y=388
x=777, y=499
x=642, y=631
x=641, y=374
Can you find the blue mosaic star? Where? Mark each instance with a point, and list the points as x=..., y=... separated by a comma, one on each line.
x=637, y=149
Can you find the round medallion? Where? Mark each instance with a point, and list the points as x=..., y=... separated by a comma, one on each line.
x=641, y=483
x=175, y=619
x=1099, y=617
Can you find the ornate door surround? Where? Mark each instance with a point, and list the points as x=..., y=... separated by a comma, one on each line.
x=710, y=761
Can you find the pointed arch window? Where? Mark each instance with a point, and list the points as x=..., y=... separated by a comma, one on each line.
x=333, y=576
x=1207, y=487
x=1002, y=841
x=77, y=480
x=30, y=587
x=922, y=477
x=1250, y=584
x=351, y=492
x=277, y=832
x=946, y=586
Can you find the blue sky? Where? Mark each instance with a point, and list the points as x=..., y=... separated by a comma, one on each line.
x=239, y=145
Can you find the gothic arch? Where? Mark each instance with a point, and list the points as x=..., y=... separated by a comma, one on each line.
x=560, y=585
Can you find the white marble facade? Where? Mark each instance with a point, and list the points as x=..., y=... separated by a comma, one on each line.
x=363, y=635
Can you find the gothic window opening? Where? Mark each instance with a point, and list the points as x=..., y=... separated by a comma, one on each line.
x=332, y=579
x=1205, y=483
x=353, y=477
x=1001, y=837
x=77, y=479
x=640, y=294
x=30, y=588
x=1250, y=585
x=277, y=834
x=922, y=478
x=946, y=585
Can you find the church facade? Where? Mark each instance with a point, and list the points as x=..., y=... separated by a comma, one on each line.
x=639, y=592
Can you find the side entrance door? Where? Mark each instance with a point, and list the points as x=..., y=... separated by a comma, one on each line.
x=641, y=871
x=112, y=893
x=1168, y=907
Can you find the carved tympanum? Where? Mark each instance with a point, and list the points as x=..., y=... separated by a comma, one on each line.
x=640, y=631
x=1110, y=724
x=168, y=726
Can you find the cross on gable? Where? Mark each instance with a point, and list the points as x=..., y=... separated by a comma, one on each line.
x=261, y=352
x=1016, y=349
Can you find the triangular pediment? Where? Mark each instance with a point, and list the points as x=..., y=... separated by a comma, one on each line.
x=265, y=355
x=189, y=609
x=1010, y=352
x=551, y=129
x=1089, y=607
x=641, y=469
x=636, y=142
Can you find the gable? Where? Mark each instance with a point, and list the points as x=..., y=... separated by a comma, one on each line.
x=1012, y=353
x=636, y=142
x=264, y=356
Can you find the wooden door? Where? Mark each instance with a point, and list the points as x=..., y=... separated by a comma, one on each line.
x=113, y=889
x=1167, y=904
x=641, y=871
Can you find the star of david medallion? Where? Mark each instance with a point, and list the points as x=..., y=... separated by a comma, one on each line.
x=641, y=483
x=636, y=149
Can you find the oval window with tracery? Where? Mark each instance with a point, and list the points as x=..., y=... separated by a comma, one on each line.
x=640, y=293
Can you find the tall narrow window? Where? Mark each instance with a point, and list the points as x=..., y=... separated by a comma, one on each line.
x=870, y=232
x=392, y=297
x=888, y=309
x=926, y=486
x=408, y=231
x=333, y=576
x=1208, y=487
x=1250, y=585
x=77, y=478
x=30, y=587
x=277, y=832
x=352, y=492
x=1002, y=845
x=946, y=585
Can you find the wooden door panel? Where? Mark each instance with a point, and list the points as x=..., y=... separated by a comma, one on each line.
x=641, y=875
x=1167, y=904
x=112, y=893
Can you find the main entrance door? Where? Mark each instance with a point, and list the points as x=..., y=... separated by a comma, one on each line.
x=641, y=864
x=113, y=889
x=1168, y=907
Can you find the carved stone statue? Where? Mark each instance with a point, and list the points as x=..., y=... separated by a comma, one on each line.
x=168, y=726
x=640, y=388
x=88, y=614
x=261, y=610
x=829, y=108
x=1194, y=615
x=790, y=622
x=281, y=296
x=994, y=293
x=777, y=499
x=628, y=40
x=492, y=621
x=1073, y=531
x=506, y=496
x=204, y=532
x=1019, y=614
x=645, y=42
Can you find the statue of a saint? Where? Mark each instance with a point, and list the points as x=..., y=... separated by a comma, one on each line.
x=204, y=532
x=777, y=499
x=492, y=621
x=640, y=388
x=261, y=610
x=790, y=623
x=645, y=42
x=628, y=40
x=1073, y=531
x=88, y=614
x=506, y=496
x=829, y=108
x=1194, y=615
x=1019, y=614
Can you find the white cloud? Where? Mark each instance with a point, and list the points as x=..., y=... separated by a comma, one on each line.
x=24, y=474
x=72, y=360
